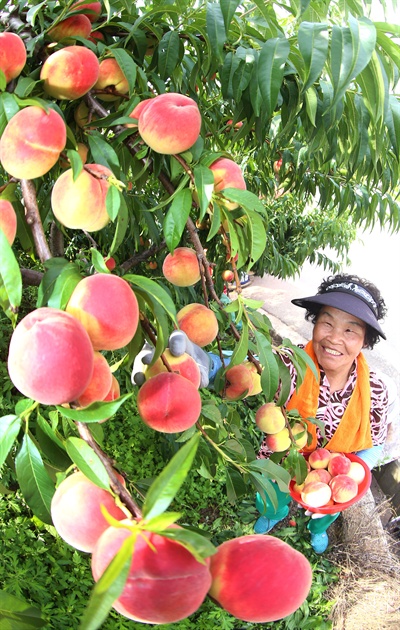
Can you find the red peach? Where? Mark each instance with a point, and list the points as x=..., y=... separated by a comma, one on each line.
x=169, y=403
x=279, y=442
x=8, y=220
x=110, y=263
x=269, y=418
x=318, y=474
x=100, y=383
x=12, y=55
x=114, y=391
x=316, y=494
x=255, y=377
x=74, y=26
x=343, y=488
x=50, y=357
x=137, y=111
x=32, y=142
x=277, y=578
x=96, y=36
x=238, y=382
x=70, y=73
x=227, y=275
x=339, y=465
x=108, y=309
x=165, y=583
x=227, y=174
x=91, y=9
x=199, y=323
x=357, y=472
x=170, y=124
x=181, y=268
x=319, y=458
x=111, y=76
x=76, y=511
x=184, y=365
x=80, y=204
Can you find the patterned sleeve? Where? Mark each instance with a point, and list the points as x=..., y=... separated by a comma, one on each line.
x=379, y=409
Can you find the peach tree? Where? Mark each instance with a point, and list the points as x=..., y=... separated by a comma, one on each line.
x=151, y=154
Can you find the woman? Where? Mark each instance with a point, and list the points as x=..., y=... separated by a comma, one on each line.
x=348, y=398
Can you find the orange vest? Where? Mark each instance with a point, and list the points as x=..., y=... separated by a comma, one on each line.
x=354, y=430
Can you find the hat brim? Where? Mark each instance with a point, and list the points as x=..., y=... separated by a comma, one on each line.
x=344, y=302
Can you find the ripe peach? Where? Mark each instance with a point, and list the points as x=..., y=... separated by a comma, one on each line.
x=343, y=488
x=111, y=76
x=319, y=458
x=32, y=142
x=100, y=383
x=339, y=465
x=199, y=323
x=318, y=474
x=82, y=151
x=96, y=36
x=8, y=220
x=12, y=55
x=269, y=418
x=80, y=204
x=165, y=583
x=227, y=275
x=169, y=403
x=182, y=267
x=136, y=112
x=70, y=73
x=74, y=26
x=50, y=357
x=316, y=493
x=91, y=9
x=255, y=377
x=114, y=391
x=238, y=382
x=184, y=365
x=357, y=472
x=170, y=124
x=259, y=578
x=278, y=442
x=227, y=174
x=76, y=513
x=108, y=309
x=298, y=429
x=298, y=487
x=110, y=263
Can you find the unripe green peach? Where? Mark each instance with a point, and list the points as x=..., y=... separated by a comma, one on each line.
x=70, y=73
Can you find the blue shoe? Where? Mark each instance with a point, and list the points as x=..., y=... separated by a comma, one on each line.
x=319, y=542
x=264, y=525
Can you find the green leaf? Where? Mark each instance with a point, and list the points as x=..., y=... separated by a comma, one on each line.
x=197, y=544
x=102, y=151
x=96, y=411
x=98, y=261
x=109, y=587
x=10, y=280
x=50, y=285
x=270, y=372
x=64, y=285
x=392, y=121
x=33, y=479
x=271, y=67
x=285, y=382
x=113, y=202
x=155, y=291
x=87, y=461
x=313, y=45
x=228, y=8
x=164, y=489
x=121, y=226
x=168, y=53
x=16, y=614
x=176, y=217
x=9, y=429
x=241, y=347
x=127, y=65
x=215, y=29
x=204, y=181
x=372, y=81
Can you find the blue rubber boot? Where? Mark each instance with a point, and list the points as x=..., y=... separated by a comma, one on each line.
x=270, y=514
x=317, y=528
x=264, y=524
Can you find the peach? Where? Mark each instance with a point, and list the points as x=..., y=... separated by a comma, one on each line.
x=278, y=442
x=227, y=275
x=357, y=472
x=199, y=323
x=96, y=36
x=319, y=458
x=100, y=383
x=344, y=488
x=259, y=578
x=181, y=268
x=75, y=26
x=169, y=403
x=339, y=465
x=12, y=55
x=238, y=382
x=80, y=204
x=170, y=124
x=8, y=220
x=318, y=474
x=316, y=493
x=298, y=487
x=108, y=309
x=300, y=435
x=70, y=73
x=269, y=418
x=32, y=142
x=227, y=174
x=111, y=77
x=184, y=365
x=76, y=511
x=255, y=377
x=91, y=9
x=82, y=151
x=136, y=112
x=81, y=116
x=50, y=357
x=114, y=391
x=165, y=583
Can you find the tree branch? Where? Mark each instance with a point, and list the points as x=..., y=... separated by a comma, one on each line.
x=32, y=217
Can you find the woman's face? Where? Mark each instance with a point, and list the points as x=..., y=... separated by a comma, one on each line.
x=337, y=340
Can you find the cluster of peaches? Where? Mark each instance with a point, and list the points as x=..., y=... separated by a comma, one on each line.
x=166, y=583
x=271, y=421
x=333, y=478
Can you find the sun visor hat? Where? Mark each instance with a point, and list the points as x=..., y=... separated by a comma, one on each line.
x=349, y=297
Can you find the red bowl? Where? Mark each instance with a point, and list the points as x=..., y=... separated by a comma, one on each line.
x=337, y=507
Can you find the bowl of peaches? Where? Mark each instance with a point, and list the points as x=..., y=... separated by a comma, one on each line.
x=333, y=483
